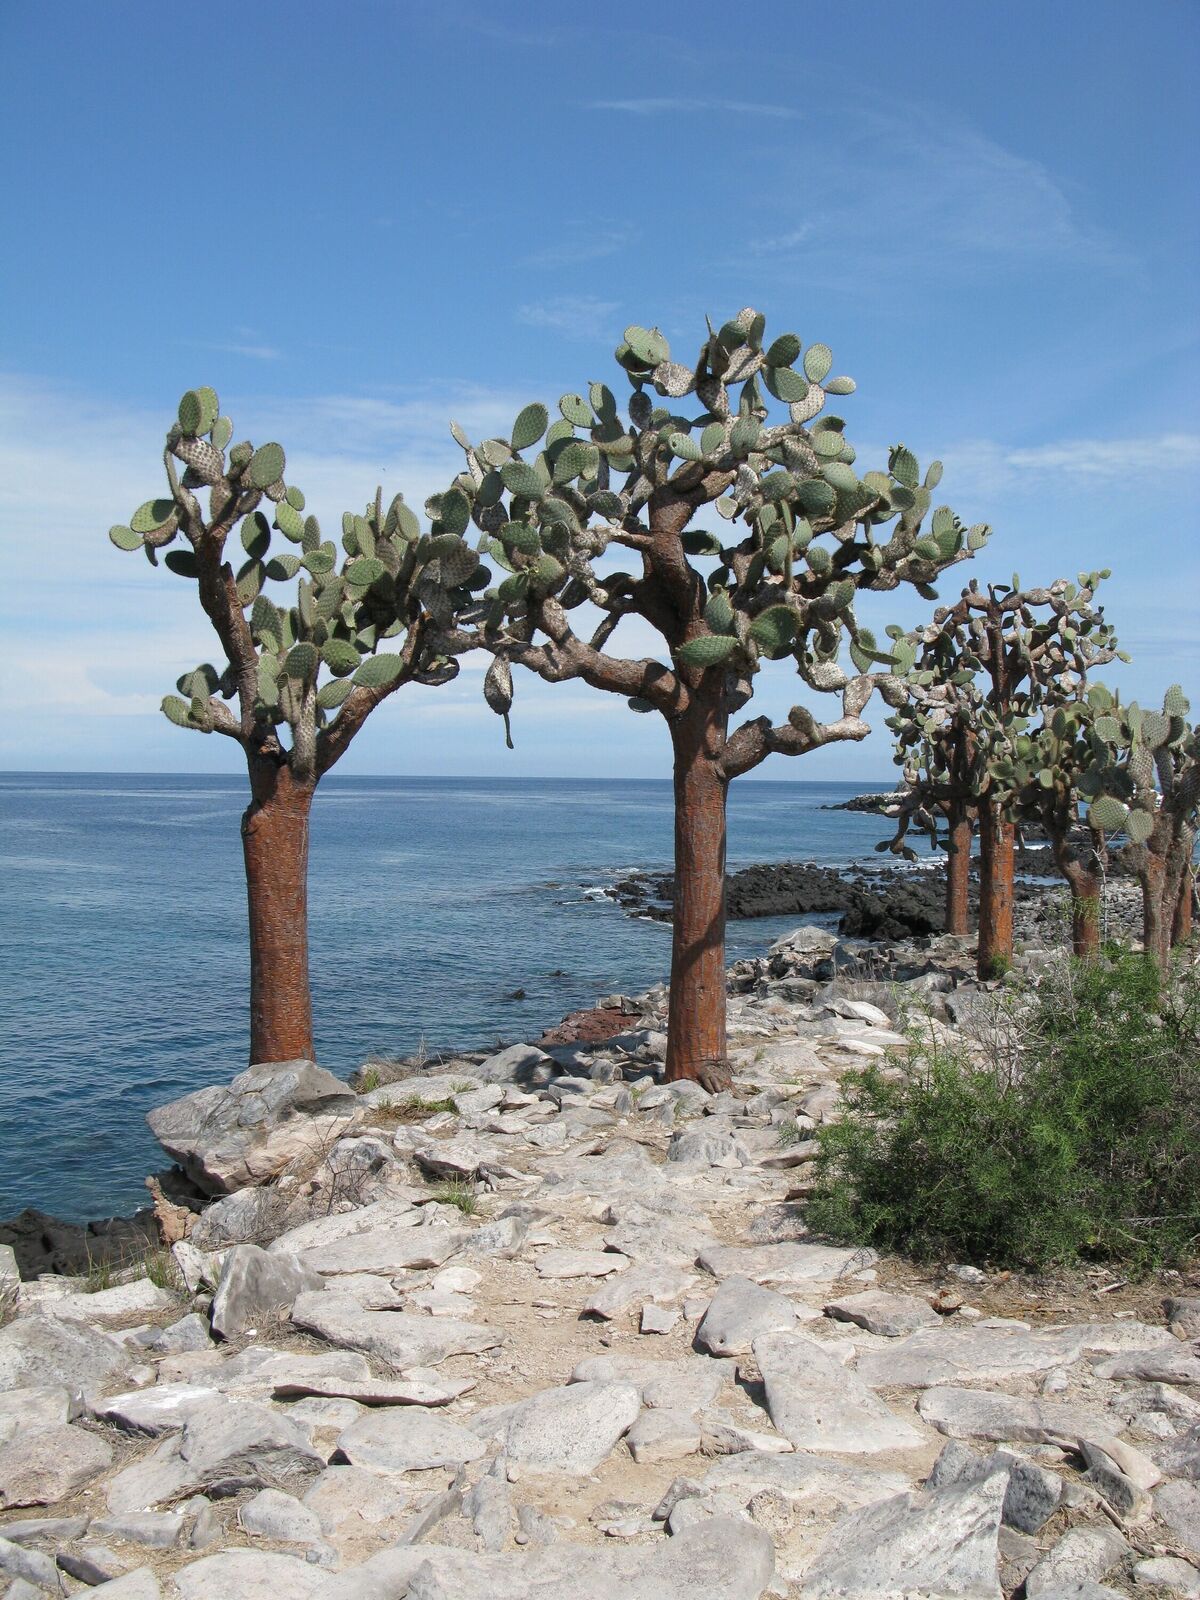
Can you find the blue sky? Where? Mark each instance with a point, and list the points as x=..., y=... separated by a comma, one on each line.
x=357, y=226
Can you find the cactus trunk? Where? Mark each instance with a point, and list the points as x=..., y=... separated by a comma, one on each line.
x=1181, y=928
x=996, y=841
x=696, y=1023
x=958, y=868
x=275, y=846
x=1156, y=918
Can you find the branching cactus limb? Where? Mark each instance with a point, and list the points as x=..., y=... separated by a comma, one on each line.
x=304, y=668
x=721, y=503
x=1149, y=790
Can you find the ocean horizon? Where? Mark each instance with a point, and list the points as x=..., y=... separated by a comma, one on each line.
x=432, y=901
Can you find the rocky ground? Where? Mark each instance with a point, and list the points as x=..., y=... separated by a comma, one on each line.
x=539, y=1325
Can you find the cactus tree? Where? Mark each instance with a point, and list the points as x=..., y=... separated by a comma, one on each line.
x=742, y=431
x=991, y=662
x=1150, y=792
x=303, y=672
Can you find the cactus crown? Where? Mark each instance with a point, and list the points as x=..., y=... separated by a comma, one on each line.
x=389, y=585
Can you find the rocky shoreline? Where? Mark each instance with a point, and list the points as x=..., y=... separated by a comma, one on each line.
x=537, y=1323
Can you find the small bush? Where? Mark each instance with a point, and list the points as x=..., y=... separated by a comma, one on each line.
x=458, y=1194
x=1077, y=1139
x=414, y=1109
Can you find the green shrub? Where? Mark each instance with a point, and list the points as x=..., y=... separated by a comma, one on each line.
x=1075, y=1137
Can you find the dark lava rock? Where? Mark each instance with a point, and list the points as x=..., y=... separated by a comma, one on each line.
x=589, y=1027
x=46, y=1244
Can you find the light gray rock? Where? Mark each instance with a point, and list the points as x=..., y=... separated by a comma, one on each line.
x=274, y=1515
x=188, y=1334
x=569, y=1430
x=975, y=1414
x=255, y=1284
x=657, y=1319
x=392, y=1211
x=739, y=1312
x=1084, y=1555
x=489, y=1507
x=1178, y=1504
x=39, y=1350
x=800, y=1476
x=250, y=1575
x=819, y=1405
x=663, y=1436
x=33, y=1567
x=687, y=1385
x=789, y=1264
x=950, y=1355
x=140, y=1584
x=356, y=1495
x=407, y=1439
x=1033, y=1492
x=158, y=1530
x=10, y=1281
x=939, y=1544
x=704, y=1147
x=29, y=1530
x=225, y=1446
x=386, y=1250
x=137, y=1299
x=1174, y=1365
x=1127, y=1498
x=39, y=1406
x=722, y=1559
x=36, y=1469
x=93, y=1564
x=235, y=1137
x=1169, y=1572
x=564, y=1263
x=891, y=1315
x=1183, y=1315
x=519, y=1063
x=1180, y=1457
x=162, y=1408
x=655, y=1281
x=399, y=1338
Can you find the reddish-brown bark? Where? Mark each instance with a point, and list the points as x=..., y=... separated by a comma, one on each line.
x=275, y=847
x=958, y=867
x=696, y=1024
x=1081, y=867
x=996, y=846
x=1181, y=928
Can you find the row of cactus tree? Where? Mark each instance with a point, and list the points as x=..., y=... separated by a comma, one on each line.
x=743, y=534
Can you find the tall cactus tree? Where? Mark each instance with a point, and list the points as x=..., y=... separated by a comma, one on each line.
x=381, y=616
x=809, y=533
x=935, y=746
x=996, y=658
x=1150, y=792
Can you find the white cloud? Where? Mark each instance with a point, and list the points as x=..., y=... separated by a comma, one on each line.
x=583, y=241
x=669, y=105
x=987, y=466
x=580, y=316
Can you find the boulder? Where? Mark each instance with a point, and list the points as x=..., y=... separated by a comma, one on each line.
x=800, y=1476
x=951, y=1355
x=816, y=1403
x=250, y=1575
x=519, y=1063
x=738, y=1313
x=385, y=1250
x=408, y=1439
x=257, y=1283
x=784, y=1263
x=238, y=1136
x=36, y=1469
x=1082, y=1556
x=939, y=1544
x=399, y=1338
x=891, y=1315
x=569, y=1430
x=40, y=1350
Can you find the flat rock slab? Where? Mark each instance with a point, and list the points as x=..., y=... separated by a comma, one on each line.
x=784, y=1263
x=818, y=1405
x=38, y=1406
x=377, y=1391
x=975, y=1414
x=162, y=1408
x=1081, y=1557
x=399, y=1338
x=248, y=1575
x=649, y=1281
x=140, y=1584
x=688, y=1385
x=570, y=1430
x=891, y=1315
x=393, y=1211
x=940, y=1544
x=1178, y=1504
x=1177, y=1365
x=407, y=1440
x=38, y=1468
x=801, y=1476
x=40, y=1350
x=255, y=1284
x=578, y=1263
x=236, y=1136
x=141, y=1298
x=739, y=1312
x=664, y=1436
x=950, y=1355
x=386, y=1250
x=721, y=1559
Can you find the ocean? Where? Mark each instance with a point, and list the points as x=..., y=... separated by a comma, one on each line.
x=123, y=940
